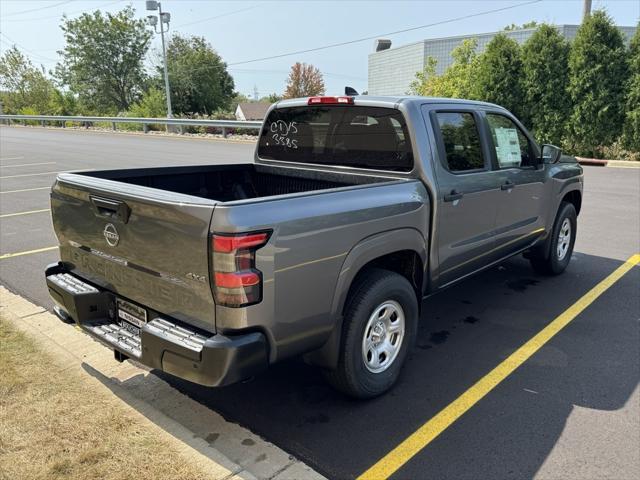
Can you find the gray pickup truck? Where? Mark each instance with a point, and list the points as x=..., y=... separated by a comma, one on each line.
x=354, y=210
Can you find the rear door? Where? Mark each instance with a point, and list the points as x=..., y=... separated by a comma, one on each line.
x=147, y=245
x=468, y=193
x=521, y=215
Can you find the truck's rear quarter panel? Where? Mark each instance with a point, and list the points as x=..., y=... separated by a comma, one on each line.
x=312, y=236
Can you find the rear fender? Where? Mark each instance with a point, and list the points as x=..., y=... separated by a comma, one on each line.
x=362, y=254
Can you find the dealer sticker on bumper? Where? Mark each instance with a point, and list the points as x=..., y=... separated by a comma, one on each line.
x=131, y=313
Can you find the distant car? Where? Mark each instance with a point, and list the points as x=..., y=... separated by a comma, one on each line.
x=354, y=210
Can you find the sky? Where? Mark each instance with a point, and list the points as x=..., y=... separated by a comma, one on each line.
x=242, y=31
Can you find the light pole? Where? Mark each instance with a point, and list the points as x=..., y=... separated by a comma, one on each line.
x=586, y=9
x=165, y=17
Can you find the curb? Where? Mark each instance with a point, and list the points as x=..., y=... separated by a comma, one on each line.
x=237, y=454
x=595, y=162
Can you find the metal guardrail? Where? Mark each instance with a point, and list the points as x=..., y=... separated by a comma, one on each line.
x=223, y=125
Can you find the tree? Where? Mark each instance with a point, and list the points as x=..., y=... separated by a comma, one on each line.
x=304, y=81
x=198, y=77
x=23, y=86
x=498, y=76
x=63, y=103
x=513, y=26
x=545, y=79
x=597, y=77
x=271, y=98
x=631, y=136
x=456, y=81
x=427, y=82
x=151, y=105
x=103, y=59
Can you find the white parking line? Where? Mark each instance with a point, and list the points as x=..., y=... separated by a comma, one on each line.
x=28, y=252
x=10, y=158
x=24, y=213
x=27, y=164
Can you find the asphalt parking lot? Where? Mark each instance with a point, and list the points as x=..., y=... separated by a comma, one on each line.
x=572, y=410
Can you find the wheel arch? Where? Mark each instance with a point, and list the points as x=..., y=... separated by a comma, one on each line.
x=573, y=197
x=402, y=251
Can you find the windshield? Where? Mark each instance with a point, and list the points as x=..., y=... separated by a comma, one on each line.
x=363, y=137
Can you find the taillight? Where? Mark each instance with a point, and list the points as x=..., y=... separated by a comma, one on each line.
x=236, y=280
x=330, y=100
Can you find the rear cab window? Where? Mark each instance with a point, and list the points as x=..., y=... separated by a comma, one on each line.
x=461, y=148
x=374, y=138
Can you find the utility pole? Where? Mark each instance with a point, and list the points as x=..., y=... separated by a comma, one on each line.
x=165, y=18
x=586, y=9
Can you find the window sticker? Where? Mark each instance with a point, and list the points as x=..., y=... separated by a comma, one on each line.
x=507, y=146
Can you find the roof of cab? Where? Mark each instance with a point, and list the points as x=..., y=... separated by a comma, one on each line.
x=391, y=101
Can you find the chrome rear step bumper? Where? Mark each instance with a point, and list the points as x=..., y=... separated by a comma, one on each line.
x=117, y=336
x=162, y=343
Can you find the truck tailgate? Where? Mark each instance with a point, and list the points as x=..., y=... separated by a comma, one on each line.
x=146, y=245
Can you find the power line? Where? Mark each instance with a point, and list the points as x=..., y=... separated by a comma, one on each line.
x=37, y=9
x=97, y=7
x=451, y=20
x=217, y=16
x=11, y=41
x=350, y=42
x=286, y=72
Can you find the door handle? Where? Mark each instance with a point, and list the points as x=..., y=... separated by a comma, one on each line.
x=112, y=209
x=453, y=196
x=508, y=185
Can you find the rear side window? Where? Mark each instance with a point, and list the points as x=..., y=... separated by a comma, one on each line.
x=461, y=140
x=363, y=137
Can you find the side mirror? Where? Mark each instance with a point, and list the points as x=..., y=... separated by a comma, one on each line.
x=550, y=153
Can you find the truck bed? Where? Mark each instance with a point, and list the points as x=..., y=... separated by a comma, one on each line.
x=125, y=230
x=226, y=183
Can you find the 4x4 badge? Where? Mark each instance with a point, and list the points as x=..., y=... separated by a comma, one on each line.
x=111, y=234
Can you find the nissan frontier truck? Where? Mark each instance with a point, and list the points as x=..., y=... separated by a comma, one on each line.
x=354, y=209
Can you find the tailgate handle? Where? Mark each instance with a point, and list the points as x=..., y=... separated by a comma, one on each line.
x=113, y=209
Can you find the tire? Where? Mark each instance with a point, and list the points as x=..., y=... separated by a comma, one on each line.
x=378, y=303
x=555, y=259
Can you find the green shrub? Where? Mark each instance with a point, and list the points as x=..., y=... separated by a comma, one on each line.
x=151, y=105
x=29, y=111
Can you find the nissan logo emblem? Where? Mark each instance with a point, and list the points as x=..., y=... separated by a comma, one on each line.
x=111, y=234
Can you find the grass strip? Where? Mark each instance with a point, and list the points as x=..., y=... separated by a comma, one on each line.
x=56, y=424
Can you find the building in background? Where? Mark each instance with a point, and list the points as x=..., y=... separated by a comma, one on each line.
x=252, y=111
x=391, y=70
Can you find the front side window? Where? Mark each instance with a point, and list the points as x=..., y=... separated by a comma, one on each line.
x=512, y=146
x=461, y=140
x=363, y=137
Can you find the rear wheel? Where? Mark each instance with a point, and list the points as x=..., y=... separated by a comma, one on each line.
x=555, y=259
x=379, y=327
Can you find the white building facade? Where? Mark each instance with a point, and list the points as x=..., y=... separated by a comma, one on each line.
x=392, y=70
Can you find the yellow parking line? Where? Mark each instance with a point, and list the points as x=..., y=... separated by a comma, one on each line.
x=27, y=190
x=396, y=458
x=27, y=164
x=28, y=252
x=24, y=213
